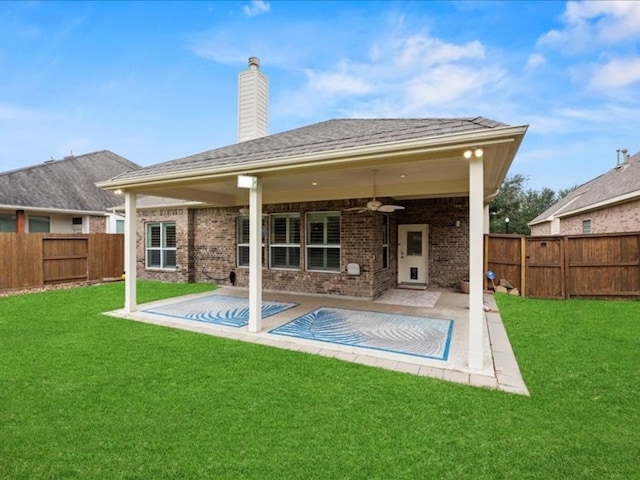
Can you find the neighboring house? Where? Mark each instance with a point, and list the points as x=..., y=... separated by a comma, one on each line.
x=61, y=196
x=609, y=203
x=284, y=212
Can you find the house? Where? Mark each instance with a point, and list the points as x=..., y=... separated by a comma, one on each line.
x=61, y=196
x=346, y=207
x=609, y=203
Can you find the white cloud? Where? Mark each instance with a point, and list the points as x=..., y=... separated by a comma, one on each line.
x=535, y=60
x=589, y=24
x=256, y=7
x=405, y=76
x=616, y=74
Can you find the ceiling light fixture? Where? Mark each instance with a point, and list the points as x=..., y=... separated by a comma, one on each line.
x=478, y=152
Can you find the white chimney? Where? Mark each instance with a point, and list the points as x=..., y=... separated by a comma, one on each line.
x=253, y=99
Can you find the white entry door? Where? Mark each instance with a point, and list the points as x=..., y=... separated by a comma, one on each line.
x=413, y=253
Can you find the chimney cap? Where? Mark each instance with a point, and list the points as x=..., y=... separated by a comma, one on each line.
x=254, y=62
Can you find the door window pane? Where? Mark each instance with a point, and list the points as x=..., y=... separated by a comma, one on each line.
x=414, y=243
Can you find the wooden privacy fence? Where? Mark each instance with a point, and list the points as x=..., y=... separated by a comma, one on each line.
x=38, y=259
x=589, y=266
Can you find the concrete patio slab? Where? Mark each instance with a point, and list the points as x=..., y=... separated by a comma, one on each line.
x=500, y=369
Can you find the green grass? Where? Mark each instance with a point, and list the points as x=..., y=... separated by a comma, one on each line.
x=88, y=396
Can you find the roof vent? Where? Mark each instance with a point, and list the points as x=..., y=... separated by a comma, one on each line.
x=625, y=156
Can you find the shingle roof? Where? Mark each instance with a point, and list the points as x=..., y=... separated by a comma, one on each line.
x=621, y=180
x=331, y=135
x=67, y=184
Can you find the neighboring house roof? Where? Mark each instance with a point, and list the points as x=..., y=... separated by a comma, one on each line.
x=331, y=135
x=620, y=184
x=67, y=184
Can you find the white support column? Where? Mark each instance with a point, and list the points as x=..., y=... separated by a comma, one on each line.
x=130, y=222
x=487, y=219
x=255, y=257
x=476, y=227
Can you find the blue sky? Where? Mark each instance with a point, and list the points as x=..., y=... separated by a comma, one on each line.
x=157, y=81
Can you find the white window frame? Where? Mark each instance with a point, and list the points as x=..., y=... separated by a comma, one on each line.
x=586, y=226
x=245, y=244
x=163, y=248
x=385, y=241
x=326, y=246
x=290, y=245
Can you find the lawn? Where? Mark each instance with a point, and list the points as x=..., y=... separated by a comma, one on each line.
x=83, y=395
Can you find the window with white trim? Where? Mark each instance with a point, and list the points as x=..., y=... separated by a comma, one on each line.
x=161, y=245
x=284, y=241
x=385, y=241
x=586, y=226
x=323, y=241
x=242, y=240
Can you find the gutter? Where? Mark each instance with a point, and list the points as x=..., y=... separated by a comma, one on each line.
x=53, y=210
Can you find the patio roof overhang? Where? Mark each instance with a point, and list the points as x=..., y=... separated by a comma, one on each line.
x=423, y=167
x=418, y=168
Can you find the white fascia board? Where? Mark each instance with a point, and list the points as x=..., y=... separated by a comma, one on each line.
x=347, y=155
x=53, y=210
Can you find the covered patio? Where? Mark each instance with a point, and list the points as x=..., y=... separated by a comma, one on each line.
x=412, y=159
x=500, y=369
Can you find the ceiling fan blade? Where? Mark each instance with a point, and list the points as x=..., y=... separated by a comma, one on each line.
x=354, y=209
x=390, y=208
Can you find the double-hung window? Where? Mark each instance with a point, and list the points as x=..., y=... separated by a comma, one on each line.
x=284, y=242
x=323, y=241
x=242, y=236
x=161, y=245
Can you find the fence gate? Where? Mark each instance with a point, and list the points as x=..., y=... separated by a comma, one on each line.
x=544, y=263
x=65, y=259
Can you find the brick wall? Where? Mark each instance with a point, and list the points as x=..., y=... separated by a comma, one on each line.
x=97, y=224
x=181, y=217
x=448, y=244
x=541, y=229
x=618, y=218
x=206, y=247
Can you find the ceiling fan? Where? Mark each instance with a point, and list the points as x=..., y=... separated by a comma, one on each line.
x=375, y=205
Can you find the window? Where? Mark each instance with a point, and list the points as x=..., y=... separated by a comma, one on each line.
x=38, y=224
x=242, y=237
x=119, y=226
x=323, y=241
x=586, y=226
x=76, y=221
x=7, y=223
x=161, y=245
x=385, y=241
x=285, y=241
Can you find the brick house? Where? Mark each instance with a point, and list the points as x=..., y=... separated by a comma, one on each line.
x=348, y=207
x=609, y=203
x=61, y=196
